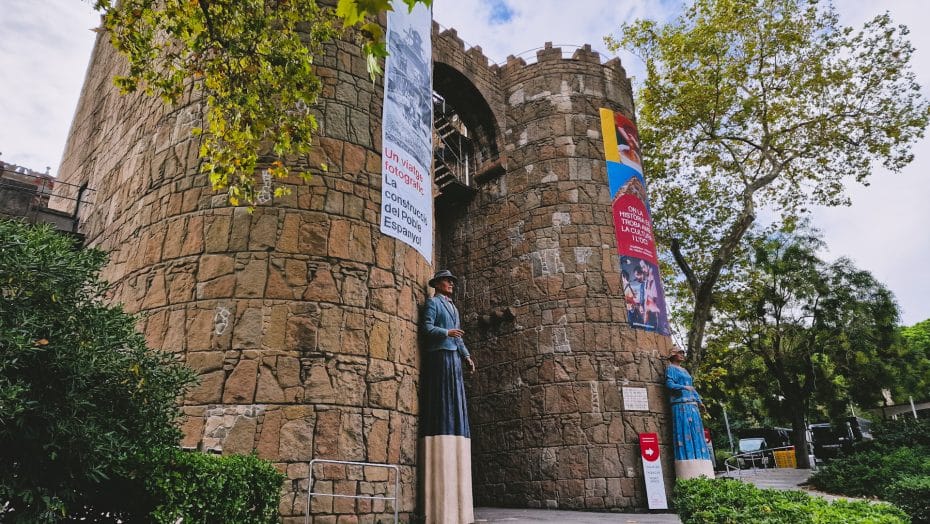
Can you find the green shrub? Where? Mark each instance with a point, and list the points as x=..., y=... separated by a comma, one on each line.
x=869, y=473
x=904, y=432
x=720, y=456
x=83, y=401
x=725, y=501
x=205, y=488
x=88, y=413
x=912, y=494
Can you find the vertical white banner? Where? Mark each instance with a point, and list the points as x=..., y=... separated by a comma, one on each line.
x=407, y=124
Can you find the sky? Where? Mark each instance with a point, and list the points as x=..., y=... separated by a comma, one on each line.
x=45, y=46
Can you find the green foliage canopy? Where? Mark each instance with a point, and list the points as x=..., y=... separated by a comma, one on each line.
x=810, y=332
x=82, y=400
x=763, y=104
x=253, y=61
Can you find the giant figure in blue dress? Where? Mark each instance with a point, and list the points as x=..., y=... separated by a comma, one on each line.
x=445, y=438
x=692, y=457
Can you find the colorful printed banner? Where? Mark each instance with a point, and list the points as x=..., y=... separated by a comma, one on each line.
x=652, y=471
x=407, y=122
x=639, y=261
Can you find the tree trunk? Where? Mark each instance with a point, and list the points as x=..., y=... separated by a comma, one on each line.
x=799, y=434
x=703, y=290
x=699, y=317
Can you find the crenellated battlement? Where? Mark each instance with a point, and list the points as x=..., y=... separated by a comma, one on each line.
x=449, y=39
x=550, y=54
x=446, y=42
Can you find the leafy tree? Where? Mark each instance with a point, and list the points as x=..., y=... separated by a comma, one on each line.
x=918, y=336
x=253, y=60
x=763, y=104
x=912, y=363
x=83, y=402
x=808, y=332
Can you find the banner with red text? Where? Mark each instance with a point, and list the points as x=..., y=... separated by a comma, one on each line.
x=639, y=261
x=406, y=130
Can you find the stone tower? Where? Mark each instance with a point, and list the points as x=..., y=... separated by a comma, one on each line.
x=301, y=317
x=542, y=289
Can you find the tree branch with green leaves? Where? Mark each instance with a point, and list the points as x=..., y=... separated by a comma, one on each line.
x=762, y=105
x=253, y=61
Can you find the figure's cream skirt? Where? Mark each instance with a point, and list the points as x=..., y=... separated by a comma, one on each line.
x=692, y=469
x=445, y=465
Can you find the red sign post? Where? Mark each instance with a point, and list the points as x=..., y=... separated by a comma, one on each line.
x=652, y=471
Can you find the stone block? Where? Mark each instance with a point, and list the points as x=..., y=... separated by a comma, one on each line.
x=240, y=386
x=296, y=440
x=208, y=390
x=239, y=229
x=213, y=266
x=278, y=285
x=216, y=233
x=181, y=287
x=241, y=437
x=264, y=231
x=250, y=280
x=326, y=436
x=268, y=389
x=247, y=330
x=194, y=236
x=221, y=287
x=289, y=238
x=322, y=287
x=319, y=388
x=191, y=431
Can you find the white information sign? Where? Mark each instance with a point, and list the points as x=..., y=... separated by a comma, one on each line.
x=635, y=399
x=652, y=471
x=406, y=130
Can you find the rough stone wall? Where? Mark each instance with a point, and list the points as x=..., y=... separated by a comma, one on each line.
x=547, y=419
x=299, y=318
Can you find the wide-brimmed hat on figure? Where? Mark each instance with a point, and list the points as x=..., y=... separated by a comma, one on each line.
x=441, y=274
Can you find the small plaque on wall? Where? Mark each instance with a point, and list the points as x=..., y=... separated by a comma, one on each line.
x=635, y=399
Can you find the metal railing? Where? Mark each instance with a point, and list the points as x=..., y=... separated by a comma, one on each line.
x=756, y=459
x=38, y=198
x=452, y=151
x=568, y=50
x=311, y=493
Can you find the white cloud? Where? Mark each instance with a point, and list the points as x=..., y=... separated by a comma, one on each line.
x=43, y=55
x=533, y=23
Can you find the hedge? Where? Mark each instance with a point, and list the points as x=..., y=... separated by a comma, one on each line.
x=870, y=473
x=205, y=489
x=727, y=501
x=904, y=432
x=912, y=494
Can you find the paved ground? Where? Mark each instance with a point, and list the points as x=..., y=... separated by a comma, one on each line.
x=527, y=516
x=778, y=478
x=781, y=479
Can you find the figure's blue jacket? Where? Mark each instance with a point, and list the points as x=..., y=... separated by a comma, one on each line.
x=439, y=316
x=676, y=379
